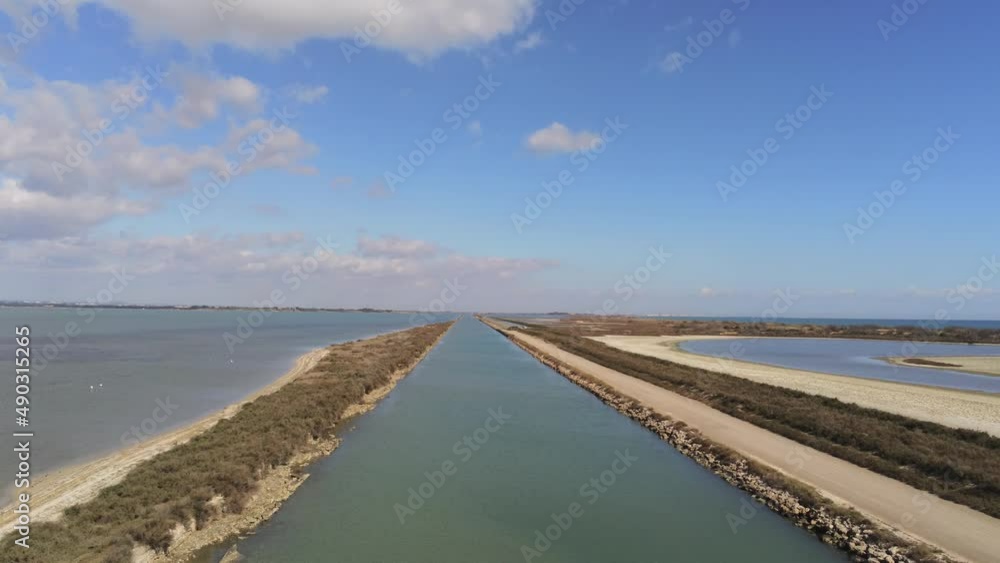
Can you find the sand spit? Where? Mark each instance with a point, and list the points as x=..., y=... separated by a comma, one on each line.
x=949, y=407
x=57, y=491
x=981, y=365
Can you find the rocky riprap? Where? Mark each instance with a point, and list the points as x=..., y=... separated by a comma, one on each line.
x=856, y=537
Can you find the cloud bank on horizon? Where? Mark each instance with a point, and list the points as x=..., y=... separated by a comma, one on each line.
x=205, y=148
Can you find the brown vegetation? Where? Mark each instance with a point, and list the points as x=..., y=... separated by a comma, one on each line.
x=932, y=363
x=958, y=465
x=225, y=463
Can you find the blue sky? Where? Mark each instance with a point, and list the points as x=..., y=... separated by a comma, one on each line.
x=894, y=90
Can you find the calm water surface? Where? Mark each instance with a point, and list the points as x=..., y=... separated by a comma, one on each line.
x=663, y=508
x=854, y=357
x=134, y=358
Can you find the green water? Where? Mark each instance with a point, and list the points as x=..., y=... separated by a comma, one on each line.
x=661, y=507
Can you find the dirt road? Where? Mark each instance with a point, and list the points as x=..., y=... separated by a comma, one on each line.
x=950, y=407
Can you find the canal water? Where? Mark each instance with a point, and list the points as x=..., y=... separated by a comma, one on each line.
x=855, y=357
x=482, y=454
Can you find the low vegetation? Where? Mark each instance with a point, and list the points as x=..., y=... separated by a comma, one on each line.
x=962, y=466
x=931, y=363
x=927, y=332
x=224, y=463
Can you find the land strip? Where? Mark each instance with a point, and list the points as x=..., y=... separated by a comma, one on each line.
x=982, y=365
x=920, y=331
x=949, y=407
x=235, y=474
x=959, y=530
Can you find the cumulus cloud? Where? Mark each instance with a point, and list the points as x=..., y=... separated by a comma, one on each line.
x=271, y=144
x=529, y=42
x=419, y=29
x=557, y=138
x=672, y=62
x=682, y=23
x=241, y=269
x=308, y=94
x=26, y=215
x=201, y=97
x=65, y=138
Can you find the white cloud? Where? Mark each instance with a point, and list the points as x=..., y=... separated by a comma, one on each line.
x=274, y=145
x=419, y=29
x=529, y=42
x=557, y=138
x=241, y=269
x=73, y=157
x=395, y=247
x=679, y=24
x=673, y=62
x=202, y=96
x=27, y=215
x=309, y=94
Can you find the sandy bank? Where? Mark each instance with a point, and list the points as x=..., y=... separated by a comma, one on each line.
x=57, y=491
x=954, y=408
x=982, y=365
x=957, y=529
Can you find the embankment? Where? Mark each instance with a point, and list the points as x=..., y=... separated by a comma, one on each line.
x=957, y=529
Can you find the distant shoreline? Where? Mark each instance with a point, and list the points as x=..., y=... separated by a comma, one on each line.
x=19, y=305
